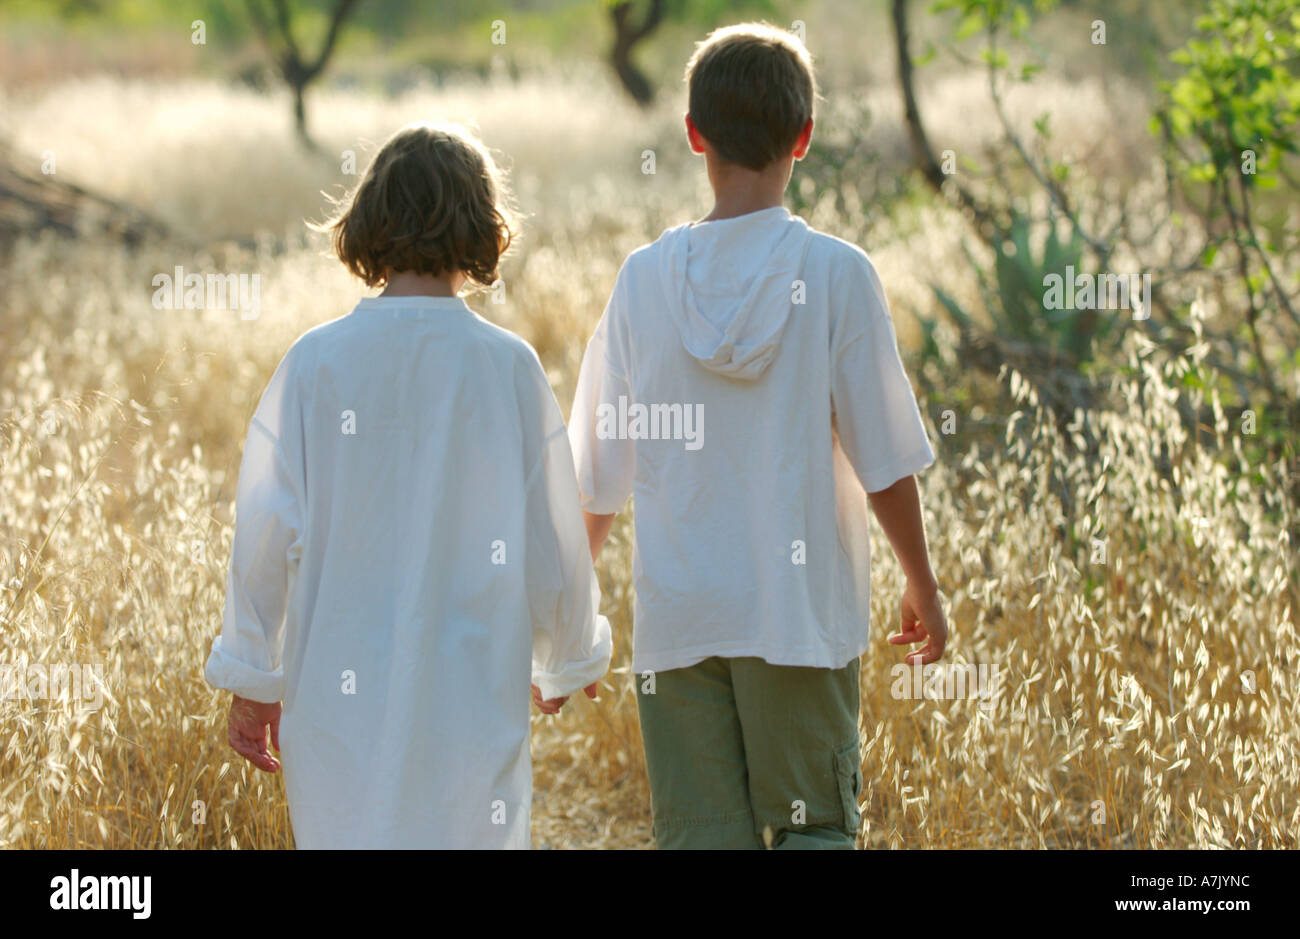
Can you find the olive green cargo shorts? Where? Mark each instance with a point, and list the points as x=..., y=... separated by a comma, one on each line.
x=743, y=754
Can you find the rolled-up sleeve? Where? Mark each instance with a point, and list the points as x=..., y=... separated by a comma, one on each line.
x=246, y=656
x=572, y=645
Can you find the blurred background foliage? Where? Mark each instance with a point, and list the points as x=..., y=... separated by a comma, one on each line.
x=1190, y=178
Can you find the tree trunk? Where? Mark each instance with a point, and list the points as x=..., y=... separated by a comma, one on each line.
x=923, y=152
x=32, y=202
x=300, y=116
x=626, y=36
x=634, y=82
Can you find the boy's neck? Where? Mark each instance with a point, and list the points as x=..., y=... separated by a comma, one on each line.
x=740, y=191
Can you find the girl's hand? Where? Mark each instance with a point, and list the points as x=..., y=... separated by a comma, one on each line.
x=249, y=721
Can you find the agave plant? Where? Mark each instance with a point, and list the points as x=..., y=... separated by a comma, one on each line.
x=1014, y=293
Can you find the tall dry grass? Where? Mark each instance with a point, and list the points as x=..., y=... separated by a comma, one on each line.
x=1153, y=686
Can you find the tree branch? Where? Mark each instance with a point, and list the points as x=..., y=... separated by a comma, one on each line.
x=922, y=150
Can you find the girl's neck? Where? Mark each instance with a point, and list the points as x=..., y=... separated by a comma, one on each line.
x=411, y=284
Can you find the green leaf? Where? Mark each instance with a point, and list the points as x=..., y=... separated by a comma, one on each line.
x=971, y=24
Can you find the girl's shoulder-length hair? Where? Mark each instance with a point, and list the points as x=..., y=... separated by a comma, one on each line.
x=432, y=201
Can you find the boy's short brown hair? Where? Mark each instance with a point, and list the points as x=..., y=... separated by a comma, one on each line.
x=433, y=202
x=751, y=90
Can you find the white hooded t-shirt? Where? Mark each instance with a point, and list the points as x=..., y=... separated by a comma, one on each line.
x=408, y=555
x=744, y=386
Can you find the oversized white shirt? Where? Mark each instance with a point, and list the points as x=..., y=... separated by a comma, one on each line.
x=408, y=554
x=744, y=386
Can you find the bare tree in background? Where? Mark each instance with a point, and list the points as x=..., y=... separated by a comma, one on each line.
x=276, y=30
x=627, y=33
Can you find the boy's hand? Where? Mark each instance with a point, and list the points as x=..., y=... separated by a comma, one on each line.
x=553, y=705
x=922, y=619
x=249, y=721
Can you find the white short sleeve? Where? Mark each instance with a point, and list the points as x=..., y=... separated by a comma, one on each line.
x=876, y=415
x=606, y=466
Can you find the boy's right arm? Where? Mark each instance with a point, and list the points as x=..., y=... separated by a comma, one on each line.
x=898, y=509
x=880, y=429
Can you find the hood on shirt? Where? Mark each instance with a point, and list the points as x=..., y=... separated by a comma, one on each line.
x=735, y=332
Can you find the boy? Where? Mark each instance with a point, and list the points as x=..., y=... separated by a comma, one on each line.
x=408, y=536
x=774, y=344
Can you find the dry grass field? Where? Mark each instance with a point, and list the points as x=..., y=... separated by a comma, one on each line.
x=1140, y=603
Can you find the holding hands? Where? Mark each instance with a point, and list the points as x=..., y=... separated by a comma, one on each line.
x=553, y=705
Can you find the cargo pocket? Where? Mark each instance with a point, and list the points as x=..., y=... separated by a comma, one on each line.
x=848, y=775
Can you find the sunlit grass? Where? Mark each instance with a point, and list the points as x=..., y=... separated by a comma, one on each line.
x=1153, y=685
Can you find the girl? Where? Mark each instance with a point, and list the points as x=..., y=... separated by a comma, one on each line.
x=409, y=545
